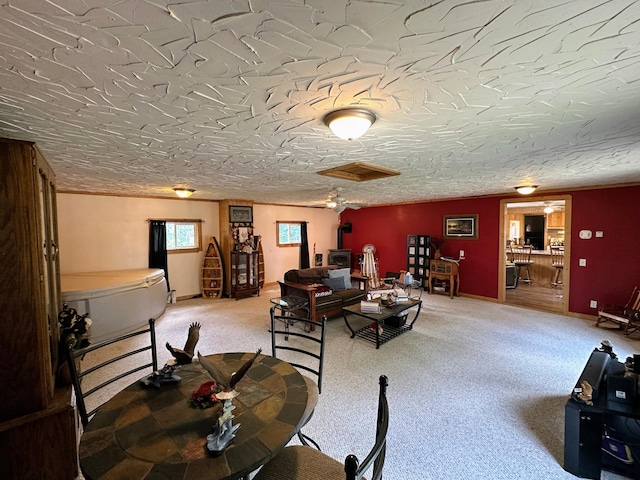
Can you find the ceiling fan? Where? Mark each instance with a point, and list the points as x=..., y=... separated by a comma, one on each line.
x=339, y=203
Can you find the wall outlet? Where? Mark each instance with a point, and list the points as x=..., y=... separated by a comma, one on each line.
x=593, y=304
x=461, y=254
x=582, y=262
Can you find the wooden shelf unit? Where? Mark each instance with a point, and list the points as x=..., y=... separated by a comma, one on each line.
x=212, y=280
x=418, y=257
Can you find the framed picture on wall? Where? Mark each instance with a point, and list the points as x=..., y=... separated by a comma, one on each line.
x=460, y=226
x=240, y=214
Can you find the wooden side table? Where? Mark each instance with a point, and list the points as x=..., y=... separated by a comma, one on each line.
x=444, y=270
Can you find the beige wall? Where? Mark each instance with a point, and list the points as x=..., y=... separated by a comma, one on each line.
x=111, y=233
x=322, y=230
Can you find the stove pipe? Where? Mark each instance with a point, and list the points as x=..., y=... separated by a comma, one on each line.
x=346, y=228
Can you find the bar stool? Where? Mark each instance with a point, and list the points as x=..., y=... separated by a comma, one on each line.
x=521, y=256
x=557, y=261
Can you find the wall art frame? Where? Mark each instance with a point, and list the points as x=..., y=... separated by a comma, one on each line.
x=460, y=226
x=240, y=214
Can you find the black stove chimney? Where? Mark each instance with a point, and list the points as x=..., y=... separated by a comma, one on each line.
x=346, y=228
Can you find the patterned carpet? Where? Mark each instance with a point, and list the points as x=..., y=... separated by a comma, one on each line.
x=476, y=390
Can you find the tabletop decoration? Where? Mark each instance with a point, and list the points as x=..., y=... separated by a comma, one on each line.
x=224, y=431
x=180, y=357
x=206, y=396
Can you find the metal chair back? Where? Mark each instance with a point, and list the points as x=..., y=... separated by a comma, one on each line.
x=352, y=467
x=77, y=375
x=301, y=347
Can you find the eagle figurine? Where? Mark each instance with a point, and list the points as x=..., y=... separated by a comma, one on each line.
x=185, y=356
x=225, y=381
x=180, y=357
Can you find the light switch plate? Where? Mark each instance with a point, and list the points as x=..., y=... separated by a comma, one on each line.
x=599, y=234
x=582, y=262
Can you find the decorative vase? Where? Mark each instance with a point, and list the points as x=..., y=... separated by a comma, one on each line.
x=436, y=255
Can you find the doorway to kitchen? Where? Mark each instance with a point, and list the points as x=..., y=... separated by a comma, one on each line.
x=542, y=223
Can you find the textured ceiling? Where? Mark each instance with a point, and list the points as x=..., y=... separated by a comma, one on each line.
x=227, y=97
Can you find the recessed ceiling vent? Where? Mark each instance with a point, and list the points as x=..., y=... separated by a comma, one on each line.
x=359, y=172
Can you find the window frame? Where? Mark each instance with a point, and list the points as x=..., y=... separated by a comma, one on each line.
x=197, y=224
x=283, y=222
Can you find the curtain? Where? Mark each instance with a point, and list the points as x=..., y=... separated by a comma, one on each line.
x=304, y=246
x=158, y=247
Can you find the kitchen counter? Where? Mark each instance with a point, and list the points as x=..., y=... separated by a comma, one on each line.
x=542, y=271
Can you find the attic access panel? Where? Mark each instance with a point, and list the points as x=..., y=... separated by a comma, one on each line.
x=359, y=172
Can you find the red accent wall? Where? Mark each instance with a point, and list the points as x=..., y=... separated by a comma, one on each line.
x=613, y=262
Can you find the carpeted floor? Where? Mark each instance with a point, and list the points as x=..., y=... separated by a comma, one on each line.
x=477, y=389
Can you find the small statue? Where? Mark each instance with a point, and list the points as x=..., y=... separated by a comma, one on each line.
x=223, y=430
x=585, y=393
x=75, y=328
x=605, y=346
x=180, y=357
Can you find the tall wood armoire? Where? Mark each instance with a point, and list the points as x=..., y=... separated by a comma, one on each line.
x=37, y=417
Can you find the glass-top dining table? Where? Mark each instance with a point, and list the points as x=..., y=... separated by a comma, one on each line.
x=144, y=432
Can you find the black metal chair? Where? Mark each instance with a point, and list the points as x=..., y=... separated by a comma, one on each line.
x=76, y=375
x=302, y=349
x=305, y=463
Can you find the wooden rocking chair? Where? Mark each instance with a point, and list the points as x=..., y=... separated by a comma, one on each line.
x=627, y=317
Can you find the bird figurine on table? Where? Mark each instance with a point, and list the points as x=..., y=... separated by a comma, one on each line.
x=223, y=430
x=225, y=381
x=180, y=357
x=185, y=356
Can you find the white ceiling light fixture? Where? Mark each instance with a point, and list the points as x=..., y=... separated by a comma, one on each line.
x=349, y=123
x=184, y=192
x=339, y=208
x=526, y=189
x=548, y=208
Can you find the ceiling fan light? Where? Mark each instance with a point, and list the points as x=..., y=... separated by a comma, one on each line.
x=526, y=189
x=339, y=208
x=349, y=123
x=184, y=192
x=549, y=209
x=332, y=204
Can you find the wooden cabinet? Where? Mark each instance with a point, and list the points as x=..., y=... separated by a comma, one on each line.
x=444, y=270
x=245, y=274
x=418, y=257
x=34, y=412
x=555, y=220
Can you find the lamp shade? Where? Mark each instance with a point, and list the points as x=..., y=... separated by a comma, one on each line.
x=349, y=123
x=526, y=189
x=184, y=192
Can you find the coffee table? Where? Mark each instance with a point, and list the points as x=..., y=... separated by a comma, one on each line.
x=388, y=331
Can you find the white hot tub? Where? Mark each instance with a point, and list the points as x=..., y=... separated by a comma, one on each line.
x=117, y=301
